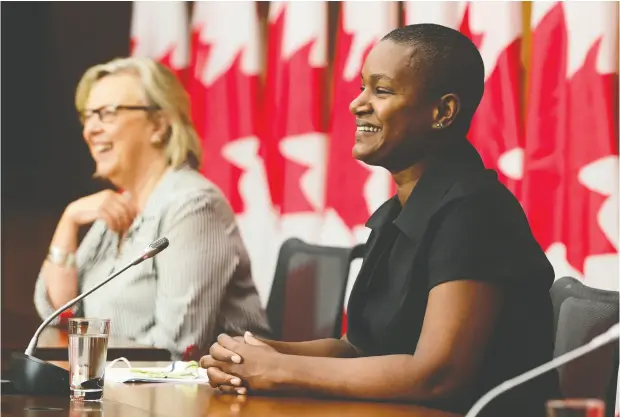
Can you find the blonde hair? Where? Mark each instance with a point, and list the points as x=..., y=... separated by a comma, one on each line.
x=162, y=89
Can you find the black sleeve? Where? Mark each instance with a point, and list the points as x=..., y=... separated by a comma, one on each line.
x=476, y=238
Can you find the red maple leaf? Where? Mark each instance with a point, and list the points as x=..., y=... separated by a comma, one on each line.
x=223, y=111
x=293, y=106
x=496, y=126
x=571, y=123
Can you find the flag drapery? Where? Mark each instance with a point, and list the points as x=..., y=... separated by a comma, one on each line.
x=294, y=132
x=225, y=97
x=571, y=147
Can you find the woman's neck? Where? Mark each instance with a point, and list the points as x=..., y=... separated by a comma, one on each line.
x=407, y=179
x=141, y=186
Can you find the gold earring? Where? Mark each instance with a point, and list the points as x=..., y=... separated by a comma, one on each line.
x=439, y=125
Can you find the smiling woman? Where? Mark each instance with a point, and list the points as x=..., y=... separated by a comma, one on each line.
x=436, y=315
x=136, y=123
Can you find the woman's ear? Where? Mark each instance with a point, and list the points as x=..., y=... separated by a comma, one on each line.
x=447, y=110
x=161, y=131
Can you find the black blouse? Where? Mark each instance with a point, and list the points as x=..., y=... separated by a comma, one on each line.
x=460, y=222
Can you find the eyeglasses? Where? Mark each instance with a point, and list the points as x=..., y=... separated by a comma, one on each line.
x=107, y=114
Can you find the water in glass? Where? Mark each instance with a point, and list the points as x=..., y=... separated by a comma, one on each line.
x=87, y=359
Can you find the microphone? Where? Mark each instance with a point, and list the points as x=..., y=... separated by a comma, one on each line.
x=151, y=250
x=610, y=335
x=34, y=376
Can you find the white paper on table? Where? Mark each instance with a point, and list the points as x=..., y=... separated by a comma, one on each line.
x=168, y=373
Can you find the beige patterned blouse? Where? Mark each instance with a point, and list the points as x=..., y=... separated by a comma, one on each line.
x=200, y=286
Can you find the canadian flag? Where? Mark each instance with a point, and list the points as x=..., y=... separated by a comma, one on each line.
x=225, y=68
x=571, y=157
x=354, y=190
x=295, y=130
x=495, y=28
x=159, y=30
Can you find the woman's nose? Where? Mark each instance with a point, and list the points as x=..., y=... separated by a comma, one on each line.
x=359, y=104
x=91, y=126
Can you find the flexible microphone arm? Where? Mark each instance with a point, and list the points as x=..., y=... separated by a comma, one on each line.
x=152, y=250
x=610, y=335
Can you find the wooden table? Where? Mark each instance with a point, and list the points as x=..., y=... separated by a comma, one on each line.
x=54, y=341
x=185, y=400
x=21, y=405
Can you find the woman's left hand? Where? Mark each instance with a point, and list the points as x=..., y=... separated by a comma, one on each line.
x=255, y=371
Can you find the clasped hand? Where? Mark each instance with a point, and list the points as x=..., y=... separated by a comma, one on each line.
x=237, y=364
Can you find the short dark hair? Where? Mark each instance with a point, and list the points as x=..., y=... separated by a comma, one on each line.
x=449, y=62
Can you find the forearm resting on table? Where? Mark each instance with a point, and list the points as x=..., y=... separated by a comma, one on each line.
x=327, y=348
x=393, y=377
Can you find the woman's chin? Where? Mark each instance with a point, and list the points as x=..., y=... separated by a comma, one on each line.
x=359, y=151
x=363, y=154
x=104, y=171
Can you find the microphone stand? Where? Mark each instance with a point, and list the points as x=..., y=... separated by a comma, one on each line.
x=33, y=376
x=35, y=339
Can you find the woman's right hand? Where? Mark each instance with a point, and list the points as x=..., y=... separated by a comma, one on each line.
x=111, y=207
x=220, y=353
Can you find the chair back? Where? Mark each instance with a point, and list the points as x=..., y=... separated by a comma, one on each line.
x=582, y=313
x=307, y=295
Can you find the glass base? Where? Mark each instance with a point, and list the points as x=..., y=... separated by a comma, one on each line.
x=86, y=394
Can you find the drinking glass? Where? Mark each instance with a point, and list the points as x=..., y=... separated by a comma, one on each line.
x=88, y=349
x=576, y=407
